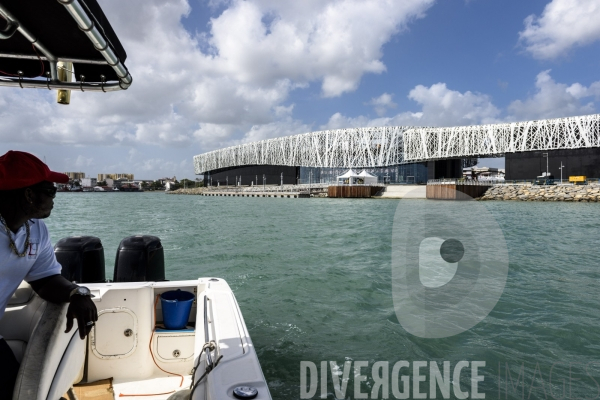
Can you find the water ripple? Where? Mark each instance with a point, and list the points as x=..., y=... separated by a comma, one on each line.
x=313, y=279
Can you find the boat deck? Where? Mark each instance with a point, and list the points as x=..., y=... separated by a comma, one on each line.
x=156, y=387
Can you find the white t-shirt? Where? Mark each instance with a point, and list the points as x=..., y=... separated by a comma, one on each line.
x=38, y=263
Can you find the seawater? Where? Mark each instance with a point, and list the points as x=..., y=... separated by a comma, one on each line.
x=313, y=280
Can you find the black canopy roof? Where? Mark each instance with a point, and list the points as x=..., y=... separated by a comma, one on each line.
x=50, y=22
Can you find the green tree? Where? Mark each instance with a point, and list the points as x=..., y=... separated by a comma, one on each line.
x=186, y=183
x=156, y=185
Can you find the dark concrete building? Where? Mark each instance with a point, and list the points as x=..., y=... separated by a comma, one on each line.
x=445, y=169
x=252, y=174
x=531, y=164
x=405, y=173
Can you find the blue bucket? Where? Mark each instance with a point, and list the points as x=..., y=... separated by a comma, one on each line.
x=176, y=307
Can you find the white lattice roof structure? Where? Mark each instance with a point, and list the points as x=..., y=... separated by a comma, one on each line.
x=345, y=148
x=423, y=144
x=393, y=145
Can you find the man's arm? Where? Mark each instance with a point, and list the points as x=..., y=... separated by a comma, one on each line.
x=53, y=288
x=57, y=289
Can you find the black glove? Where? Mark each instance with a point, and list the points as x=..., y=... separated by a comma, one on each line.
x=84, y=310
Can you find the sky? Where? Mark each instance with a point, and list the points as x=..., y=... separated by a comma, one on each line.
x=209, y=74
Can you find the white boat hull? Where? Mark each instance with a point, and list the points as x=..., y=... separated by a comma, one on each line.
x=128, y=345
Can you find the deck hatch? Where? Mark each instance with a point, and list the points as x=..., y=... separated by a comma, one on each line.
x=115, y=333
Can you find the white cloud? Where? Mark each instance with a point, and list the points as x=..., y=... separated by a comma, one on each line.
x=214, y=136
x=382, y=103
x=334, y=42
x=224, y=85
x=554, y=100
x=340, y=121
x=275, y=129
x=579, y=91
x=440, y=106
x=444, y=107
x=82, y=162
x=564, y=24
x=158, y=166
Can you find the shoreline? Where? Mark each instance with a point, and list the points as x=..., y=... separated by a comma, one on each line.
x=502, y=192
x=530, y=192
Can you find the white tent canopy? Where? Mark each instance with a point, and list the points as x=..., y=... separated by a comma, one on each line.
x=352, y=178
x=348, y=174
x=367, y=178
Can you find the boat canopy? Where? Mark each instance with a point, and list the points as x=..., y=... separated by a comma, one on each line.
x=37, y=36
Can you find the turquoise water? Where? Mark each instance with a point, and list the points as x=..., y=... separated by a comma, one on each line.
x=313, y=280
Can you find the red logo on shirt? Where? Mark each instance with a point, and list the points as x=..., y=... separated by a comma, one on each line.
x=33, y=249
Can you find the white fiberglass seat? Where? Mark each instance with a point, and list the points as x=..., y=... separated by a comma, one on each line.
x=51, y=360
x=22, y=313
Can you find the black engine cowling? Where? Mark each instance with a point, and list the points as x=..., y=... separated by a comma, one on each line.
x=140, y=259
x=82, y=259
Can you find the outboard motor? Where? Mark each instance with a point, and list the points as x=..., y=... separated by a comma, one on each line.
x=140, y=259
x=82, y=259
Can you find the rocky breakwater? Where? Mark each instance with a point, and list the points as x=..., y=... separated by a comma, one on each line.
x=528, y=192
x=196, y=191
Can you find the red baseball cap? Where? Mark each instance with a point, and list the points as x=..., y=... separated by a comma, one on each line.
x=19, y=169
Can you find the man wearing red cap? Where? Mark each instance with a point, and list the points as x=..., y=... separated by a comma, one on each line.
x=26, y=197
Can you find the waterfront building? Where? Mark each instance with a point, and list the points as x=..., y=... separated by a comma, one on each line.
x=75, y=176
x=104, y=177
x=89, y=182
x=404, y=154
x=320, y=157
x=574, y=162
x=483, y=173
x=139, y=182
x=164, y=181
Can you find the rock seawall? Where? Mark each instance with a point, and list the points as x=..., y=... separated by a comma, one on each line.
x=199, y=190
x=529, y=192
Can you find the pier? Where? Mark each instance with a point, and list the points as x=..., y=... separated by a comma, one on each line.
x=350, y=191
x=289, y=195
x=456, y=189
x=282, y=192
x=314, y=190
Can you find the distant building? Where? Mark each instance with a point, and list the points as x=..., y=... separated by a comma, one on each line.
x=124, y=184
x=103, y=177
x=75, y=176
x=139, y=182
x=483, y=173
x=128, y=186
x=88, y=182
x=165, y=180
x=531, y=164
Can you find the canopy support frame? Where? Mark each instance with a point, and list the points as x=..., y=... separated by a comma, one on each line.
x=101, y=44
